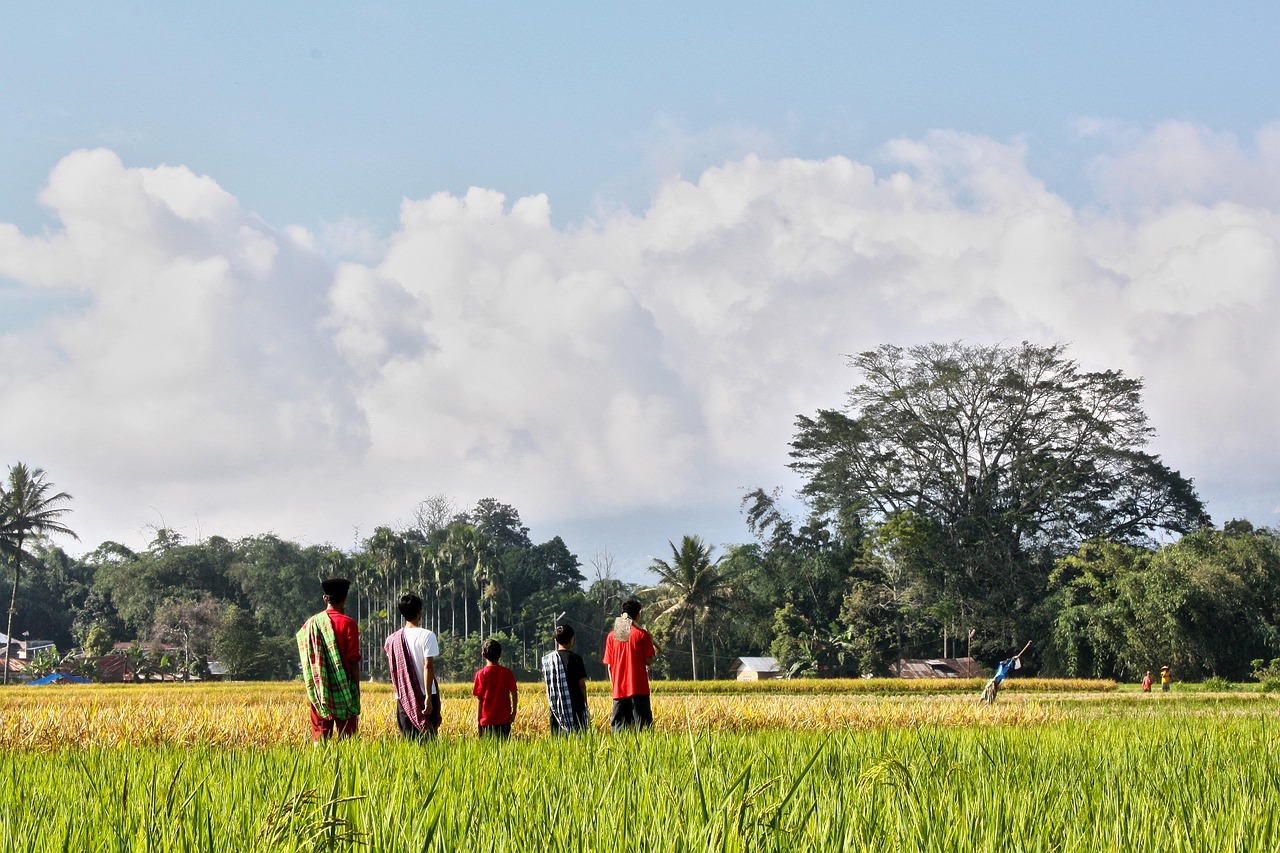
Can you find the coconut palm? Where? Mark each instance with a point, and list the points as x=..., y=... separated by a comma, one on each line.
x=29, y=509
x=693, y=589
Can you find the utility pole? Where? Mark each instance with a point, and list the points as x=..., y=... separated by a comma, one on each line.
x=555, y=622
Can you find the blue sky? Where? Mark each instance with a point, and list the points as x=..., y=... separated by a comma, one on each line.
x=313, y=112
x=1147, y=128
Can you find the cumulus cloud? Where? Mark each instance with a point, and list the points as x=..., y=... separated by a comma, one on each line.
x=224, y=368
x=1180, y=161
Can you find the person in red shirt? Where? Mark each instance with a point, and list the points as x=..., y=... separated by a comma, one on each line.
x=329, y=644
x=495, y=687
x=627, y=652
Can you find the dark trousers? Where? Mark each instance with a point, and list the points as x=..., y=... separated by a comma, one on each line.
x=632, y=712
x=407, y=729
x=579, y=726
x=499, y=732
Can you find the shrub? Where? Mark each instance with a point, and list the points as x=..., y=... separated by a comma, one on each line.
x=1268, y=674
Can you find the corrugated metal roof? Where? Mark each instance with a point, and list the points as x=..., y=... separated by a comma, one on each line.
x=942, y=668
x=757, y=664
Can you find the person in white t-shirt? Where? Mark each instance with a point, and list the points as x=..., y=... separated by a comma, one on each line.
x=411, y=653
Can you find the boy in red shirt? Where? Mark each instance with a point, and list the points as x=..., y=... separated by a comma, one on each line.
x=495, y=687
x=627, y=653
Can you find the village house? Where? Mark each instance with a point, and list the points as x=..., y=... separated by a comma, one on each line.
x=756, y=669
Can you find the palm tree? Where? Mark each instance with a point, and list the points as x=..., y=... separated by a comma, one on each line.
x=28, y=510
x=466, y=555
x=693, y=588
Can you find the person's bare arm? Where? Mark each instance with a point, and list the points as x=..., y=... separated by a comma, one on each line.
x=429, y=676
x=515, y=704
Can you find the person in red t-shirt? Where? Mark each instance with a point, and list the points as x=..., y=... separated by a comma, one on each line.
x=495, y=687
x=346, y=642
x=627, y=652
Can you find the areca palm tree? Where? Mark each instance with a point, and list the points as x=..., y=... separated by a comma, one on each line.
x=29, y=509
x=693, y=588
x=466, y=554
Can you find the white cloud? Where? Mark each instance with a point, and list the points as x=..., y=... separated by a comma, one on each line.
x=225, y=369
x=1179, y=161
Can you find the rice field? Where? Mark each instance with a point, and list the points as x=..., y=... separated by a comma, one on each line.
x=229, y=767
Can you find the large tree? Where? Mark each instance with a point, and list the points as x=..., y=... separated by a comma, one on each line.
x=29, y=510
x=1014, y=455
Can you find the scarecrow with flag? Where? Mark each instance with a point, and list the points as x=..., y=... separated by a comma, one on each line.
x=1002, y=672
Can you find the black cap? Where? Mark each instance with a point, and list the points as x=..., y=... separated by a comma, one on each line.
x=336, y=588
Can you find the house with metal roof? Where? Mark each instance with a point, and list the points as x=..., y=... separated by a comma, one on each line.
x=942, y=668
x=756, y=669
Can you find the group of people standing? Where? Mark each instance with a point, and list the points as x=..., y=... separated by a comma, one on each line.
x=329, y=649
x=1165, y=678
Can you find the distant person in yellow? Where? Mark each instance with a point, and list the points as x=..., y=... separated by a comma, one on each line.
x=1165, y=678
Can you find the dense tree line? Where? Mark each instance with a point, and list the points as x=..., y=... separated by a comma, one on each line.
x=242, y=601
x=964, y=499
x=970, y=498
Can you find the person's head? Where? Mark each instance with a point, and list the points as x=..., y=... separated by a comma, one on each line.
x=335, y=591
x=631, y=607
x=564, y=636
x=491, y=651
x=410, y=607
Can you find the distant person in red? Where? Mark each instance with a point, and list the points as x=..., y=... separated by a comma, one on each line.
x=1146, y=682
x=627, y=652
x=329, y=649
x=495, y=687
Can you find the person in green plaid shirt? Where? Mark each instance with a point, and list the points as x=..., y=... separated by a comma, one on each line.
x=329, y=648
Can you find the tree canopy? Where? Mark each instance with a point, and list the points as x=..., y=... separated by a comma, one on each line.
x=1016, y=440
x=1004, y=457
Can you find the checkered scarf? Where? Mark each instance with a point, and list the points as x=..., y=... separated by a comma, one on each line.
x=558, y=697
x=330, y=690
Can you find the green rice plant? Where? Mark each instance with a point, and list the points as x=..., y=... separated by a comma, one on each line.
x=1096, y=772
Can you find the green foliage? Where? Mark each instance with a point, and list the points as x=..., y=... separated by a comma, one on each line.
x=98, y=642
x=1267, y=673
x=238, y=645
x=694, y=591
x=277, y=579
x=794, y=581
x=29, y=511
x=1217, y=684
x=460, y=657
x=44, y=662
x=1009, y=457
x=1204, y=605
